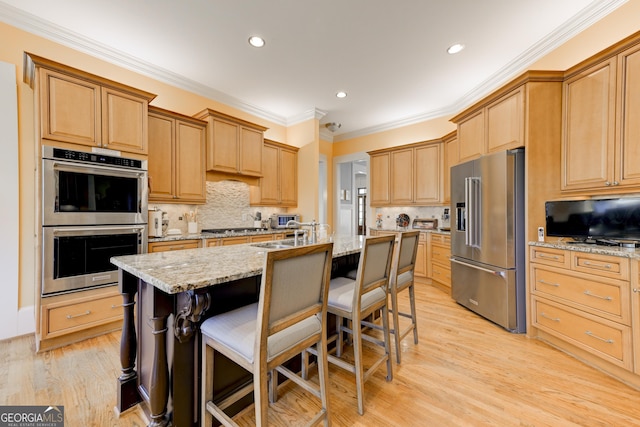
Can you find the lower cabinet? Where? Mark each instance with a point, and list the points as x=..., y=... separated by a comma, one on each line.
x=583, y=301
x=72, y=317
x=421, y=257
x=440, y=259
x=174, y=245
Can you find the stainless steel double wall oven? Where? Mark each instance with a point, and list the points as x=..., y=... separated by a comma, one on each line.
x=94, y=206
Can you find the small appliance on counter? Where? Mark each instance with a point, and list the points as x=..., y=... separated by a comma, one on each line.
x=425, y=224
x=281, y=220
x=156, y=225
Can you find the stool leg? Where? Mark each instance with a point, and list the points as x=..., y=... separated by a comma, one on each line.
x=207, y=384
x=414, y=318
x=396, y=324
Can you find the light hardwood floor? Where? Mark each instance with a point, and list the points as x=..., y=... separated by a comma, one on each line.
x=464, y=372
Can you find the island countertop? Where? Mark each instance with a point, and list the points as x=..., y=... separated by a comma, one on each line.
x=178, y=271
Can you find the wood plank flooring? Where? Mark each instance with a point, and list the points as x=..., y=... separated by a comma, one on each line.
x=464, y=372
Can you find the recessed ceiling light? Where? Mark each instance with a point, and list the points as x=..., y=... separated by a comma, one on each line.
x=341, y=94
x=455, y=48
x=256, y=41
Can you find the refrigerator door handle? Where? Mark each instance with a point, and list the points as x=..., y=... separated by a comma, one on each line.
x=486, y=270
x=472, y=200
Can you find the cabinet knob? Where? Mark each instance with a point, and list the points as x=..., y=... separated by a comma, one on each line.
x=607, y=183
x=616, y=183
x=636, y=290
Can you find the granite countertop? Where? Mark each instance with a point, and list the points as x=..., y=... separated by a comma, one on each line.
x=178, y=271
x=395, y=230
x=591, y=248
x=197, y=236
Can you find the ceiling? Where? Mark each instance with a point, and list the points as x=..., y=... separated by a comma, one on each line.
x=389, y=56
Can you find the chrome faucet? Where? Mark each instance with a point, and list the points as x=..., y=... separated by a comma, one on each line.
x=313, y=224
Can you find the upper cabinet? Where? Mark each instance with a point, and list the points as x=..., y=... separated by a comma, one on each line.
x=80, y=108
x=176, y=157
x=601, y=134
x=496, y=126
x=279, y=183
x=450, y=151
x=407, y=175
x=234, y=146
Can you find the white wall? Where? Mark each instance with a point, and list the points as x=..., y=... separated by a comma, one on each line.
x=9, y=243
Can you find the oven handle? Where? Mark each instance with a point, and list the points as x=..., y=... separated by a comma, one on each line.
x=98, y=169
x=83, y=231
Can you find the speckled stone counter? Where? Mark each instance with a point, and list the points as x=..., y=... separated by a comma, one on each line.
x=179, y=271
x=395, y=230
x=197, y=236
x=591, y=248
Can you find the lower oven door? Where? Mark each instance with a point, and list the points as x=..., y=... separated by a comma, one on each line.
x=76, y=258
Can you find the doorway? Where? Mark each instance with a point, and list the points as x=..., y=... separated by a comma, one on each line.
x=361, y=211
x=351, y=184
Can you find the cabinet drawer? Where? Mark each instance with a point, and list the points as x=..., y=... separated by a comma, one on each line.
x=606, y=339
x=228, y=241
x=441, y=239
x=79, y=315
x=601, y=265
x=606, y=296
x=173, y=246
x=440, y=255
x=550, y=256
x=441, y=274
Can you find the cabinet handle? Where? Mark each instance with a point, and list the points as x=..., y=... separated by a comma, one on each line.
x=588, y=293
x=591, y=334
x=544, y=282
x=636, y=290
x=616, y=183
x=598, y=265
x=555, y=319
x=117, y=305
x=607, y=183
x=548, y=256
x=73, y=316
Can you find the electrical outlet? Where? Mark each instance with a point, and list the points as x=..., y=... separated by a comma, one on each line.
x=540, y=234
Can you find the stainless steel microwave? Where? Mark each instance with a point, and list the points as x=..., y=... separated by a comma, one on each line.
x=281, y=220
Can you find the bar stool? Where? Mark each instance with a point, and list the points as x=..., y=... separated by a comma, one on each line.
x=404, y=263
x=356, y=300
x=290, y=315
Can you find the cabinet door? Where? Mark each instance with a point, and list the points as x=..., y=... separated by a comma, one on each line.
x=124, y=122
x=222, y=153
x=427, y=174
x=69, y=109
x=471, y=137
x=402, y=176
x=288, y=166
x=589, y=128
x=270, y=181
x=451, y=155
x=628, y=126
x=420, y=269
x=190, y=164
x=379, y=164
x=250, y=153
x=160, y=160
x=505, y=122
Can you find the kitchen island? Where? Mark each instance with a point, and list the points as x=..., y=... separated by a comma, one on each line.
x=166, y=296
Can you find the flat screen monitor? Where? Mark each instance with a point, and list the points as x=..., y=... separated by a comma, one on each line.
x=616, y=219
x=569, y=218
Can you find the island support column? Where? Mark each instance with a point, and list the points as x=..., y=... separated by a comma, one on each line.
x=128, y=395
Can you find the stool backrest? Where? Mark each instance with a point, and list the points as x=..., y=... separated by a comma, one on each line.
x=295, y=284
x=374, y=266
x=405, y=254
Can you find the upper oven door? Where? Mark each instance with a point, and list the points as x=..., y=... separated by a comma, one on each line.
x=78, y=194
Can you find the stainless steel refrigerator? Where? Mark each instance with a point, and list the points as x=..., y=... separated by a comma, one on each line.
x=487, y=238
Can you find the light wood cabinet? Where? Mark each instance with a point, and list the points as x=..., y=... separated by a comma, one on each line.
x=407, y=175
x=279, y=183
x=64, y=319
x=471, y=137
x=440, y=258
x=420, y=269
x=234, y=146
x=583, y=300
x=601, y=135
x=176, y=158
x=379, y=166
x=174, y=245
x=80, y=108
x=450, y=159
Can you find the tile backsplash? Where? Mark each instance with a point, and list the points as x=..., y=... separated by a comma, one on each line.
x=389, y=215
x=227, y=203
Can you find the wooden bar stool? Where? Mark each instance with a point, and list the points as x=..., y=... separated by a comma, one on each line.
x=290, y=316
x=356, y=300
